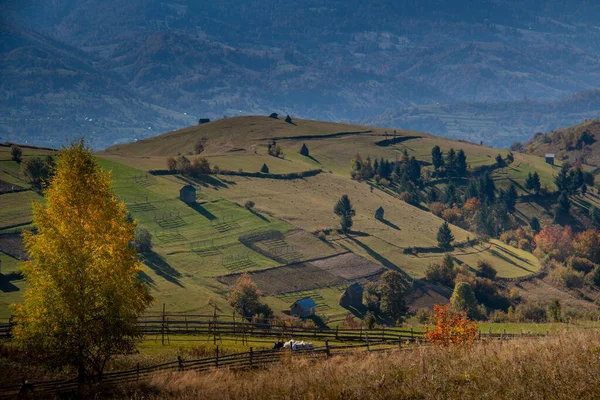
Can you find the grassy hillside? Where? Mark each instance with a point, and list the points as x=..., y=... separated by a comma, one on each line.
x=574, y=143
x=291, y=232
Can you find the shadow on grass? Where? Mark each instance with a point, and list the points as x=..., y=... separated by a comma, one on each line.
x=146, y=279
x=6, y=285
x=161, y=267
x=381, y=259
x=318, y=322
x=508, y=260
x=390, y=224
x=205, y=213
x=259, y=215
x=204, y=181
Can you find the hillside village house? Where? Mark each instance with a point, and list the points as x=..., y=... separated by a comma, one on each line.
x=303, y=308
x=550, y=158
x=187, y=194
x=352, y=296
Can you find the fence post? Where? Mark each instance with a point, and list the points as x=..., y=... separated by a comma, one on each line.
x=399, y=342
x=250, y=355
x=327, y=351
x=367, y=339
x=137, y=372
x=162, y=330
x=480, y=334
x=180, y=363
x=217, y=358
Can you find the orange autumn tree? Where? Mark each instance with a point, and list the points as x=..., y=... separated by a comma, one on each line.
x=450, y=329
x=84, y=297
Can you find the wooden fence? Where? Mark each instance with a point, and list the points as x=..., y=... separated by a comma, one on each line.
x=247, y=359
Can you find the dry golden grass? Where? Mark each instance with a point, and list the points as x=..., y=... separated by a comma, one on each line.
x=566, y=366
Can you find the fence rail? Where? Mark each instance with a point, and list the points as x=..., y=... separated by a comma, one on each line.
x=166, y=324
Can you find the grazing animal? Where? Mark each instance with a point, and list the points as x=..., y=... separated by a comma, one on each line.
x=277, y=345
x=293, y=345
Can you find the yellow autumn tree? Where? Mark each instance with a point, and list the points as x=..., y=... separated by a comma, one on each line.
x=84, y=296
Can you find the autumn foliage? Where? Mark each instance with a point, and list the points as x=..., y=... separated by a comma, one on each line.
x=83, y=298
x=555, y=241
x=450, y=328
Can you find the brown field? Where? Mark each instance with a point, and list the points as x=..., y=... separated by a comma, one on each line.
x=565, y=366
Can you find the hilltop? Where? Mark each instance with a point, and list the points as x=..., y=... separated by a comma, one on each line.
x=580, y=142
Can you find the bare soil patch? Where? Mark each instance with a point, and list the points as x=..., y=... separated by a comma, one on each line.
x=349, y=266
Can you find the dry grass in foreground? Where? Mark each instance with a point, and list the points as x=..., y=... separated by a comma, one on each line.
x=566, y=366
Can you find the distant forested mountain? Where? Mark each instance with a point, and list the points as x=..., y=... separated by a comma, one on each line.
x=337, y=60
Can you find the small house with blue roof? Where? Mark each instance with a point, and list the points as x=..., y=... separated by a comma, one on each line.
x=303, y=308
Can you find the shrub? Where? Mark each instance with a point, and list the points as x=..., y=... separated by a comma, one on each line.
x=249, y=204
x=142, y=240
x=498, y=316
x=443, y=273
x=531, y=312
x=595, y=276
x=385, y=183
x=370, y=320
x=407, y=197
x=463, y=299
x=485, y=270
x=567, y=277
x=171, y=164
x=16, y=153
x=437, y=208
x=554, y=311
x=580, y=264
x=424, y=316
x=200, y=145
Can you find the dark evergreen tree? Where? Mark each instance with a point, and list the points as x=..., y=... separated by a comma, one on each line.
x=343, y=209
x=564, y=204
x=264, y=169
x=472, y=190
x=487, y=189
x=413, y=169
x=562, y=179
x=595, y=215
x=500, y=161
x=536, y=184
x=584, y=189
x=393, y=288
x=461, y=163
x=510, y=198
x=450, y=162
x=510, y=157
x=529, y=182
x=450, y=195
x=535, y=224
x=432, y=196
x=445, y=236
x=437, y=158
x=304, y=150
